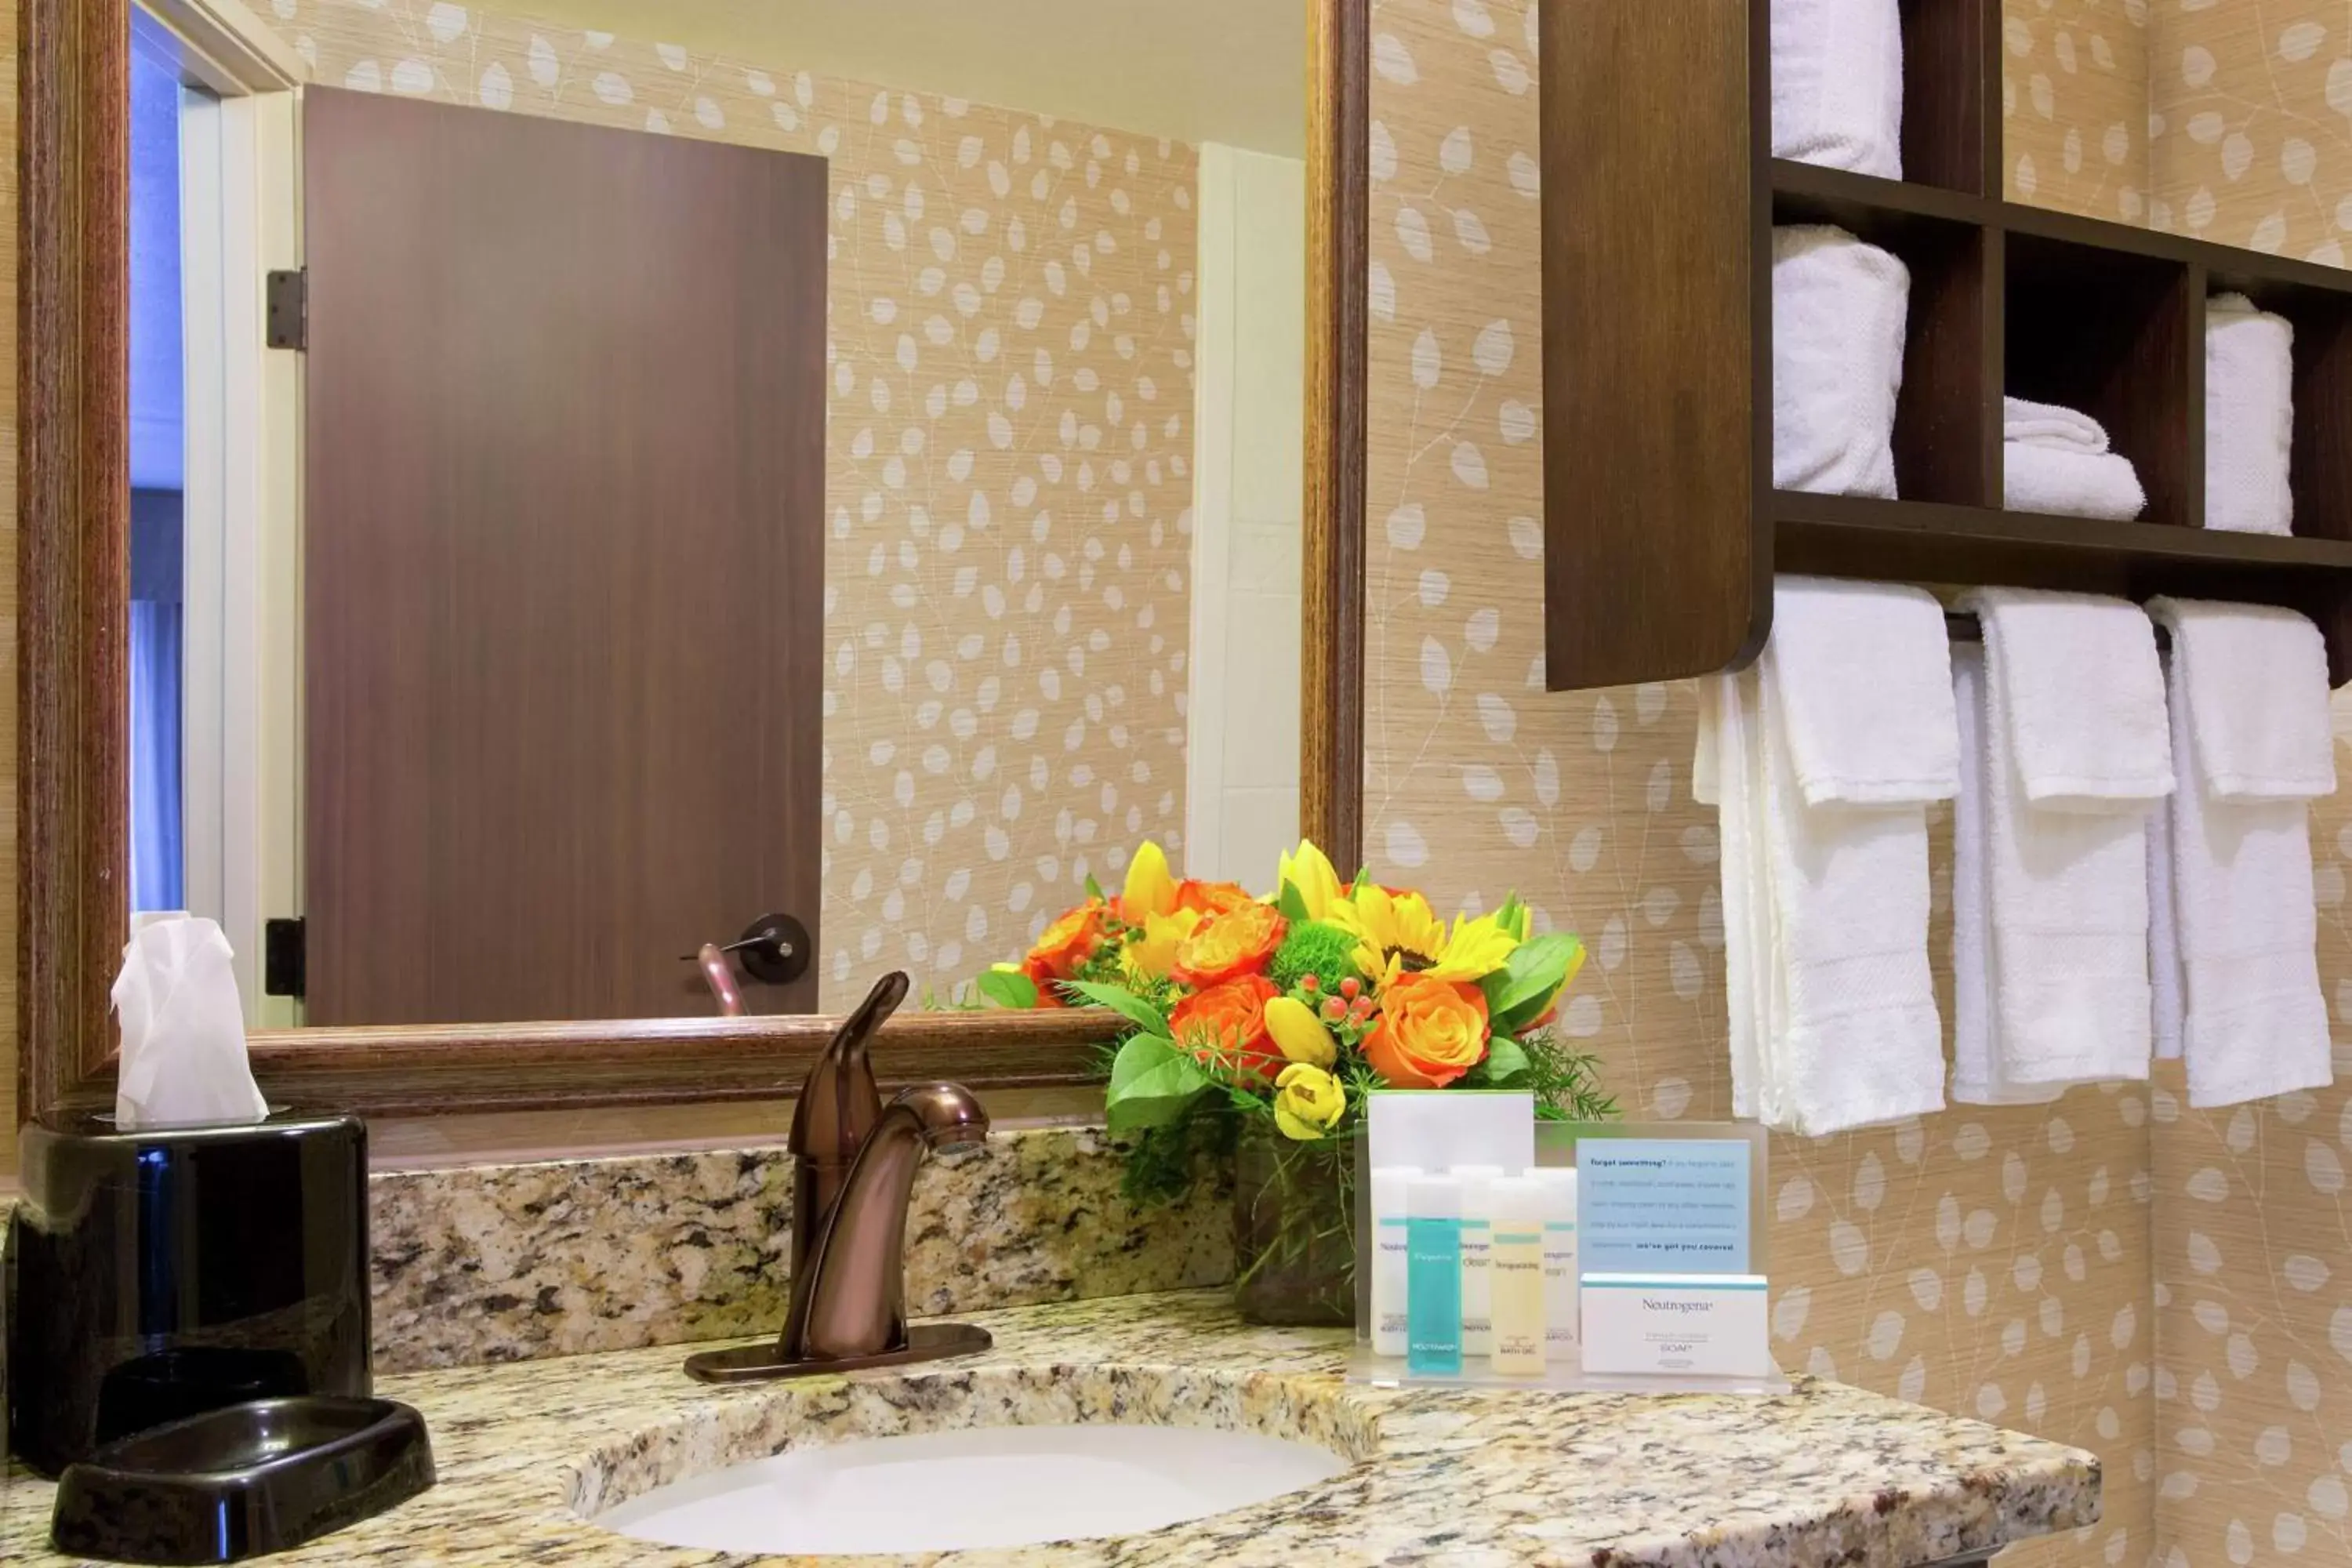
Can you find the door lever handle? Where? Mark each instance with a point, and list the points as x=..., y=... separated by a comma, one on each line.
x=774, y=950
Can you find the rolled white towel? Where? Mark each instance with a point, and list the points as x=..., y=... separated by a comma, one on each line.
x=1838, y=309
x=1837, y=84
x=2249, y=417
x=2075, y=484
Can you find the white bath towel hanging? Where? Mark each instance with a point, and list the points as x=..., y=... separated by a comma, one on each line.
x=1977, y=1077
x=1866, y=684
x=2254, y=1020
x=2067, y=870
x=2259, y=688
x=2249, y=417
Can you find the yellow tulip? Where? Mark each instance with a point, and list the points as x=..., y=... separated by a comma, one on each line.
x=1307, y=1101
x=1152, y=954
x=1295, y=1030
x=1309, y=870
x=1149, y=889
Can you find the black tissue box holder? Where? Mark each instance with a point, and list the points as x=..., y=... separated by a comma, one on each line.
x=160, y=1274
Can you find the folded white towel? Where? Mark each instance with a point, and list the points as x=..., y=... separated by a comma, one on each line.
x=2078, y=677
x=2249, y=417
x=2255, y=1021
x=2258, y=685
x=1837, y=84
x=2069, y=483
x=1838, y=309
x=2047, y=425
x=1854, y=1039
x=1866, y=689
x=2069, y=886
x=1977, y=1077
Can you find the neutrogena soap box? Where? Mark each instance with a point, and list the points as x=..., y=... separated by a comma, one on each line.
x=1704, y=1325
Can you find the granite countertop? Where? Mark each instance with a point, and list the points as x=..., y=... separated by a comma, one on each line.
x=1824, y=1474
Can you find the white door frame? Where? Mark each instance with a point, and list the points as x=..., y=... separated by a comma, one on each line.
x=240, y=218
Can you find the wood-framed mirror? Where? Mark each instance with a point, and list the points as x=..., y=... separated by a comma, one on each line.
x=79, y=528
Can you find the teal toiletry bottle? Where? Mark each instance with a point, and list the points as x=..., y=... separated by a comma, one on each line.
x=1434, y=1276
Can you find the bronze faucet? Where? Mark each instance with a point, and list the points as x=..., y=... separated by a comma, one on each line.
x=854, y=1164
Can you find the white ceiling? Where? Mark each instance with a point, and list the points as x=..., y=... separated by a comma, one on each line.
x=1197, y=70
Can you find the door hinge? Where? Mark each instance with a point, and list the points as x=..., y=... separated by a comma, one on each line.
x=288, y=325
x=285, y=958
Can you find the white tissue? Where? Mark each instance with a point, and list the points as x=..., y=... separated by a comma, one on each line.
x=183, y=1028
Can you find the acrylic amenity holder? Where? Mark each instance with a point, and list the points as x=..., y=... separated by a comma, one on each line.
x=1556, y=1146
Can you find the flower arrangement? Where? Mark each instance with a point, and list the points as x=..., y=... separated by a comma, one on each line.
x=1291, y=1008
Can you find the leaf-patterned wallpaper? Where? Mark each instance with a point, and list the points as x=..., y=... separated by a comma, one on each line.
x=1992, y=1262
x=2074, y=106
x=1008, y=462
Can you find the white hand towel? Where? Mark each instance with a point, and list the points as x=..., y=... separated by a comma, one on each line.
x=2069, y=888
x=1977, y=1077
x=2078, y=677
x=2249, y=417
x=2255, y=1021
x=2164, y=978
x=2069, y=483
x=1725, y=774
x=2048, y=425
x=2258, y=685
x=1866, y=688
x=1854, y=1038
x=1838, y=309
x=1837, y=84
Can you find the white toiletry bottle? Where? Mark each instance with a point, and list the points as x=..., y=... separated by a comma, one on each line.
x=1516, y=1205
x=1563, y=1307
x=1477, y=1255
x=1391, y=1188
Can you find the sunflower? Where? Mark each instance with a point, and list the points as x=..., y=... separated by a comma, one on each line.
x=1399, y=933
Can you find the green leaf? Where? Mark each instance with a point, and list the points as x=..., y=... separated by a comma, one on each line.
x=1292, y=903
x=1506, y=1061
x=1008, y=988
x=1124, y=1002
x=1518, y=992
x=1094, y=888
x=1152, y=1084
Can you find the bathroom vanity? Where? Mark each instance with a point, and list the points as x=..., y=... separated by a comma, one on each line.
x=532, y=1454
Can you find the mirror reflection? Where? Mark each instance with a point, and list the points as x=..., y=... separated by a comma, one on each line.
x=712, y=501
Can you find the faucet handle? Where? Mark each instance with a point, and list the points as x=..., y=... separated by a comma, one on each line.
x=839, y=1102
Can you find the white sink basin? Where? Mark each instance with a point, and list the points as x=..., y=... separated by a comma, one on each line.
x=976, y=1487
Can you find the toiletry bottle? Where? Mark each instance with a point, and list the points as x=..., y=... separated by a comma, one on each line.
x=1434, y=1276
x=1477, y=1256
x=1390, y=1264
x=1563, y=1307
x=1516, y=1205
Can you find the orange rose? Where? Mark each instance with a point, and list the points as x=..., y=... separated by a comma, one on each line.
x=1431, y=1032
x=1226, y=1023
x=1067, y=945
x=1049, y=989
x=1242, y=940
x=1211, y=898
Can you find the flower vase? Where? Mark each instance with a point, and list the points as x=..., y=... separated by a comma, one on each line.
x=1294, y=1230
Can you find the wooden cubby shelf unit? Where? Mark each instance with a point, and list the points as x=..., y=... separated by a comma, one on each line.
x=1661, y=527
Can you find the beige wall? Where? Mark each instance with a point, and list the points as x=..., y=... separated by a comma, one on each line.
x=1008, y=461
x=1994, y=1263
x=2075, y=100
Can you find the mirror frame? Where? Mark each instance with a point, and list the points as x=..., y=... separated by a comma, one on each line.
x=72, y=594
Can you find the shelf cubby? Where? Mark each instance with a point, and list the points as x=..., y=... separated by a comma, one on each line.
x=1661, y=527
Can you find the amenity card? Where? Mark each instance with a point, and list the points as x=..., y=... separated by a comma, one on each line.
x=1663, y=1206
